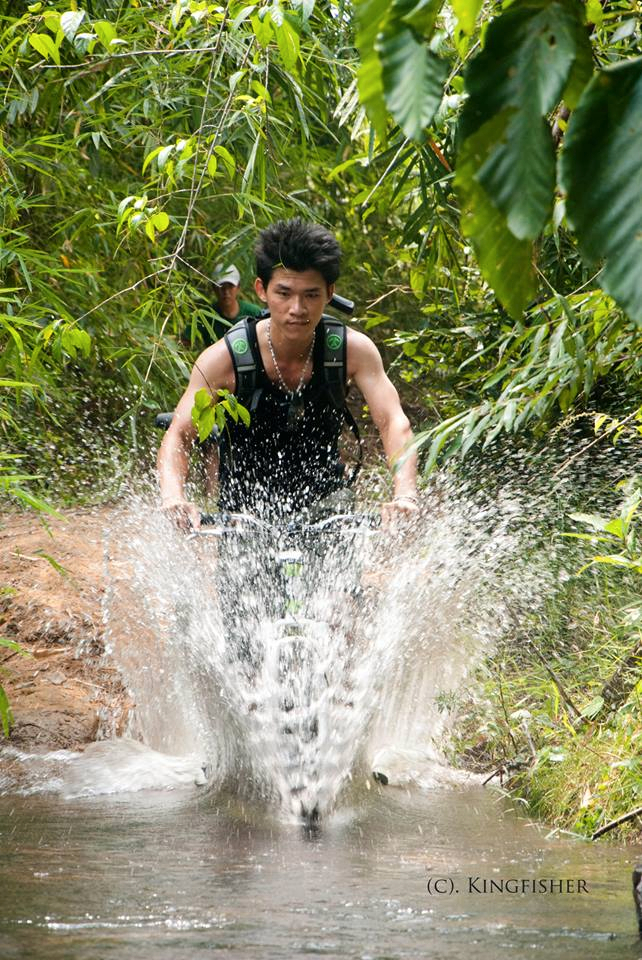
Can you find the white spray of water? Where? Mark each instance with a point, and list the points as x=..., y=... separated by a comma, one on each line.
x=363, y=686
x=388, y=627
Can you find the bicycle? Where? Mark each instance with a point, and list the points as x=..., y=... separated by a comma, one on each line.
x=292, y=642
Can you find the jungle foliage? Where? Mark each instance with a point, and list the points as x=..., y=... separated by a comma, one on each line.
x=481, y=164
x=555, y=714
x=493, y=251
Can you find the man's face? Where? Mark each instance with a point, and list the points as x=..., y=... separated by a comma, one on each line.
x=226, y=296
x=295, y=299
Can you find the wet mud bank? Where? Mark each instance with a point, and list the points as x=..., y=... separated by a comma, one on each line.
x=63, y=694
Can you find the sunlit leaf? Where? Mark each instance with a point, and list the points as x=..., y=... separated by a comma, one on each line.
x=616, y=527
x=70, y=22
x=160, y=221
x=601, y=172
x=106, y=32
x=466, y=12
x=30, y=500
x=262, y=27
x=590, y=520
x=288, y=42
x=244, y=414
x=58, y=567
x=45, y=46
x=227, y=158
x=14, y=645
x=146, y=162
x=413, y=79
x=163, y=155
x=520, y=74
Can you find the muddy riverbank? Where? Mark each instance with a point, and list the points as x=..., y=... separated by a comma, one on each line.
x=52, y=582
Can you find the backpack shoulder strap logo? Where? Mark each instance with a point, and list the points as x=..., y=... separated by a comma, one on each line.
x=240, y=344
x=335, y=374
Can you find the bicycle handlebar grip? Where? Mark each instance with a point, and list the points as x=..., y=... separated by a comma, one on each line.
x=342, y=304
x=229, y=519
x=211, y=519
x=163, y=420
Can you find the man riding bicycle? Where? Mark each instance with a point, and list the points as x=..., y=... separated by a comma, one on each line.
x=291, y=369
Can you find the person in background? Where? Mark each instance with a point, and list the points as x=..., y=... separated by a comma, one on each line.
x=227, y=306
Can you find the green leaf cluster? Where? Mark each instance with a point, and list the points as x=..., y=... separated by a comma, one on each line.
x=601, y=172
x=140, y=155
x=162, y=140
x=506, y=165
x=211, y=413
x=537, y=54
x=622, y=533
x=399, y=72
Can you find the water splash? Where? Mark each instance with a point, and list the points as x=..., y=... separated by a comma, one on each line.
x=261, y=689
x=104, y=767
x=384, y=658
x=362, y=687
x=389, y=627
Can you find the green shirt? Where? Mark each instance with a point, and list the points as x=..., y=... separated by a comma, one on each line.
x=218, y=324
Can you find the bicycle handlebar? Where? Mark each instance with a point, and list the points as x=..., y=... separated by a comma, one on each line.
x=342, y=304
x=228, y=522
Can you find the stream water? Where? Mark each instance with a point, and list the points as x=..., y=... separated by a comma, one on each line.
x=187, y=875
x=185, y=838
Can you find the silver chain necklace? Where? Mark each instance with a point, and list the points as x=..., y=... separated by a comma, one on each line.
x=291, y=393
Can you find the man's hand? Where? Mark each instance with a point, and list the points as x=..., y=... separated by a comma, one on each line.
x=403, y=507
x=183, y=514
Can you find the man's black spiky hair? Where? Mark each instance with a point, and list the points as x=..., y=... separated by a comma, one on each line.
x=297, y=245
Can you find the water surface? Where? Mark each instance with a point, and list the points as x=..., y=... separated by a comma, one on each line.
x=187, y=874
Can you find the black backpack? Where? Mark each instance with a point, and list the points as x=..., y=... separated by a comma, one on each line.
x=246, y=364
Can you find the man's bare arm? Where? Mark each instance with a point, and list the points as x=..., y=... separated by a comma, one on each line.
x=365, y=366
x=212, y=371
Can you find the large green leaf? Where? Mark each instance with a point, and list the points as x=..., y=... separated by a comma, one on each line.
x=601, y=172
x=519, y=173
x=413, y=79
x=372, y=16
x=466, y=12
x=528, y=54
x=397, y=70
x=505, y=262
x=421, y=16
x=288, y=41
x=522, y=72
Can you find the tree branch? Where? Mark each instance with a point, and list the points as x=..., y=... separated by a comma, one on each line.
x=631, y=815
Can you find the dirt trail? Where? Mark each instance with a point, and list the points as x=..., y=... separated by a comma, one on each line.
x=62, y=695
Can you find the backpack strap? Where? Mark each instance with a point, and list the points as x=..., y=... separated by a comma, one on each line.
x=335, y=377
x=240, y=343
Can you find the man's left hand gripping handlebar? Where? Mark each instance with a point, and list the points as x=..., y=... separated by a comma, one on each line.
x=184, y=515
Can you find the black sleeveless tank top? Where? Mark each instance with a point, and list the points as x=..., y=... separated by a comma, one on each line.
x=286, y=459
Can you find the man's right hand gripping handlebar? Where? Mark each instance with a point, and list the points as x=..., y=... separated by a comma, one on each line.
x=184, y=515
